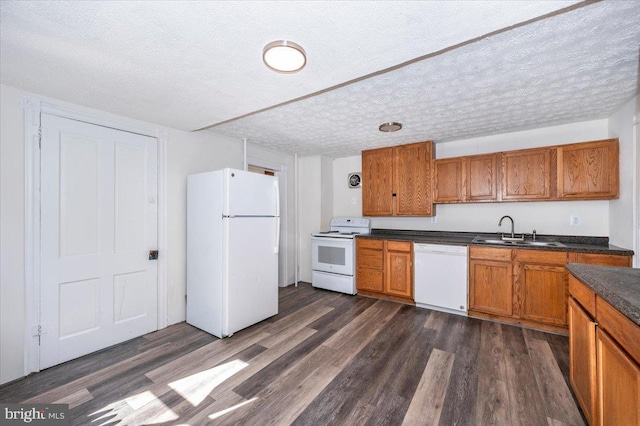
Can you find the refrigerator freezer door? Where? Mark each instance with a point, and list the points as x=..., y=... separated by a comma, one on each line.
x=251, y=273
x=250, y=194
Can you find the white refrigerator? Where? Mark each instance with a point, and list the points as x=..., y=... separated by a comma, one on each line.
x=233, y=234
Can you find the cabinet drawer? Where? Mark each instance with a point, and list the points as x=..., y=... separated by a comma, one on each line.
x=621, y=328
x=603, y=259
x=540, y=256
x=583, y=295
x=373, y=259
x=367, y=243
x=399, y=245
x=490, y=253
x=369, y=279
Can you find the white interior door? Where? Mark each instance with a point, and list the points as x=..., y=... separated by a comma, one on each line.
x=98, y=223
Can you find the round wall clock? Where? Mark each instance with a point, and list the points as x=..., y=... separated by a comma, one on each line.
x=355, y=180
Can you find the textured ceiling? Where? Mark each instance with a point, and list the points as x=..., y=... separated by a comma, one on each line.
x=191, y=65
x=575, y=66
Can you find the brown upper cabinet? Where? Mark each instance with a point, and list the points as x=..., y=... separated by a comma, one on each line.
x=481, y=178
x=526, y=174
x=448, y=179
x=466, y=179
x=588, y=170
x=396, y=181
x=377, y=185
x=581, y=171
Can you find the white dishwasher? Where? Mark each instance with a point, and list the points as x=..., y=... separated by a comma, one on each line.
x=440, y=277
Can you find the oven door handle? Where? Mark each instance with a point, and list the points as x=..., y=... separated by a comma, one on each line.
x=338, y=240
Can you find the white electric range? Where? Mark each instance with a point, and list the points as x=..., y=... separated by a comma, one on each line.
x=333, y=254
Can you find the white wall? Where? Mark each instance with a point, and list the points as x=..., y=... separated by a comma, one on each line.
x=346, y=201
x=11, y=235
x=278, y=159
x=621, y=220
x=545, y=217
x=326, y=191
x=310, y=206
x=315, y=200
x=187, y=153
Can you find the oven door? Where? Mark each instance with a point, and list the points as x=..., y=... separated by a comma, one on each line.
x=332, y=255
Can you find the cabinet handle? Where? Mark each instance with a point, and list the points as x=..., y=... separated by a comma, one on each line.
x=393, y=195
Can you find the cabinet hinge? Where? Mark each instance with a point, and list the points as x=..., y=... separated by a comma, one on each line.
x=37, y=330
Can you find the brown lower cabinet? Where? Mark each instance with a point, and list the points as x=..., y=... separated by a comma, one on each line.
x=618, y=384
x=604, y=352
x=491, y=281
x=385, y=269
x=582, y=353
x=527, y=287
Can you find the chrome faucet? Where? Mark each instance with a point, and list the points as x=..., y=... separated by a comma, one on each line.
x=513, y=236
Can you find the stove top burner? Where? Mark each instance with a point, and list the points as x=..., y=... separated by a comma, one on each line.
x=344, y=227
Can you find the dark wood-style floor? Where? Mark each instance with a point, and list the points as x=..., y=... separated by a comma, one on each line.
x=326, y=358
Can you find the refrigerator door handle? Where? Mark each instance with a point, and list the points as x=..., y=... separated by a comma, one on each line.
x=276, y=249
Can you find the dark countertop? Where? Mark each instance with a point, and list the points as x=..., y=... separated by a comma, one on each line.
x=618, y=286
x=579, y=244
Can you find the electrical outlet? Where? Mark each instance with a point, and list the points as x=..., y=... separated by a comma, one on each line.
x=574, y=220
x=434, y=219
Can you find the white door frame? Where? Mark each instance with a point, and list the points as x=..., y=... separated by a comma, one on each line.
x=254, y=161
x=33, y=108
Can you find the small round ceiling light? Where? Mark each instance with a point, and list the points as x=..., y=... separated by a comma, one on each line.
x=390, y=127
x=284, y=56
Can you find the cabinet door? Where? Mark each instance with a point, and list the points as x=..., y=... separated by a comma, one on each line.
x=398, y=269
x=412, y=179
x=447, y=181
x=377, y=182
x=588, y=170
x=618, y=384
x=582, y=359
x=543, y=293
x=526, y=175
x=481, y=178
x=491, y=287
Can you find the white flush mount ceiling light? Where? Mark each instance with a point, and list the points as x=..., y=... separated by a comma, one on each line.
x=390, y=127
x=284, y=56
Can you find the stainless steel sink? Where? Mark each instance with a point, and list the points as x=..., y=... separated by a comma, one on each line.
x=478, y=240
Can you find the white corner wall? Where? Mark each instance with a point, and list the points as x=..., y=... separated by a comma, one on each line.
x=621, y=211
x=545, y=217
x=187, y=153
x=315, y=201
x=309, y=210
x=326, y=191
x=275, y=158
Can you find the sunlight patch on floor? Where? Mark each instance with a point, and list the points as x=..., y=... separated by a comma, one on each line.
x=230, y=409
x=196, y=387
